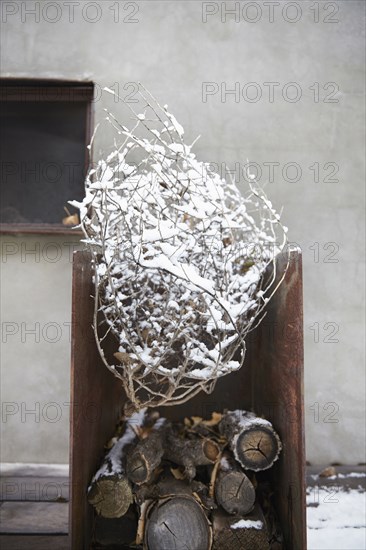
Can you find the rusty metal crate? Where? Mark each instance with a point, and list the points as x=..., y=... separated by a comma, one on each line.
x=270, y=383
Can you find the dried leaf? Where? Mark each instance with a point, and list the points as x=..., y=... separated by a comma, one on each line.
x=145, y=431
x=215, y=419
x=146, y=333
x=71, y=220
x=197, y=497
x=328, y=472
x=123, y=357
x=196, y=420
x=177, y=473
x=111, y=442
x=246, y=266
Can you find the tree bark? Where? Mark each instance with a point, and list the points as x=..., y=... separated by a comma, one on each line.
x=146, y=455
x=253, y=440
x=238, y=533
x=233, y=489
x=110, y=491
x=177, y=522
x=191, y=452
x=168, y=485
x=111, y=496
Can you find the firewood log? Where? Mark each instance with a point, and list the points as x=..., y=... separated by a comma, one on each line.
x=253, y=440
x=147, y=454
x=233, y=489
x=190, y=452
x=177, y=522
x=167, y=485
x=110, y=491
x=239, y=533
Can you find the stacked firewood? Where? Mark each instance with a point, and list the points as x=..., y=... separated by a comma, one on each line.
x=191, y=485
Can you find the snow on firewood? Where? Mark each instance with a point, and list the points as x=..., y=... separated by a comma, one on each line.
x=179, y=258
x=247, y=524
x=254, y=442
x=113, y=464
x=110, y=490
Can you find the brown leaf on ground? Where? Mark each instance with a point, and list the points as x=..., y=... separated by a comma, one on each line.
x=328, y=472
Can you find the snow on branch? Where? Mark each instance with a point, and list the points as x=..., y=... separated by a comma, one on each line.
x=179, y=259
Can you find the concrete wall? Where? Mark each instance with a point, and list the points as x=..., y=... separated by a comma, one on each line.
x=174, y=52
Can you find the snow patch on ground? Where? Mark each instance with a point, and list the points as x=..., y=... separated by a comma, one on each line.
x=336, y=519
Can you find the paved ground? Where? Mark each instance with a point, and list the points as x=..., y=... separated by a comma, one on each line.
x=34, y=508
x=336, y=509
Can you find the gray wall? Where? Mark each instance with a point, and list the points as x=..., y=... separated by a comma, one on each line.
x=173, y=52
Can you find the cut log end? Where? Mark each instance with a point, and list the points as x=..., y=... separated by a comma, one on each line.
x=191, y=453
x=138, y=469
x=180, y=523
x=211, y=450
x=111, y=497
x=257, y=448
x=235, y=492
x=254, y=442
x=146, y=456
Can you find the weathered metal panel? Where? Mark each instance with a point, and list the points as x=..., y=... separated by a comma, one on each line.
x=270, y=382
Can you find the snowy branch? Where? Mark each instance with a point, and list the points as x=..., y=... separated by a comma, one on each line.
x=179, y=261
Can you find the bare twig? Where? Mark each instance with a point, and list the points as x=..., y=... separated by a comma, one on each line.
x=179, y=261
